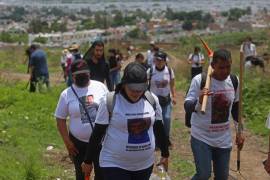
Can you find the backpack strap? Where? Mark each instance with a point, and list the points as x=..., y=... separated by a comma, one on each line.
x=234, y=81
x=84, y=108
x=170, y=72
x=150, y=76
x=203, y=80
x=232, y=76
x=150, y=98
x=110, y=99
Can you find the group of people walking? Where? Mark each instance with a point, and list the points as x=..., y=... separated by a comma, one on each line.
x=116, y=128
x=116, y=132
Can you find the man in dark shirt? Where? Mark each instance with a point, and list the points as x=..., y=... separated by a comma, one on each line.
x=99, y=68
x=38, y=68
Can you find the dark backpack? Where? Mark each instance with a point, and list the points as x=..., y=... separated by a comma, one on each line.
x=110, y=99
x=235, y=85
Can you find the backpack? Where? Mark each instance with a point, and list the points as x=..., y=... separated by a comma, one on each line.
x=235, y=85
x=110, y=99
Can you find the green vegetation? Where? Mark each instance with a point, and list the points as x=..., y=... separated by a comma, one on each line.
x=41, y=40
x=10, y=37
x=256, y=101
x=27, y=127
x=192, y=20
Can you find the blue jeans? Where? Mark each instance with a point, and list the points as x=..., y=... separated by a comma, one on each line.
x=110, y=173
x=204, y=155
x=115, y=78
x=166, y=115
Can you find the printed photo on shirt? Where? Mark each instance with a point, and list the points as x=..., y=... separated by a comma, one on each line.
x=138, y=130
x=161, y=84
x=91, y=107
x=220, y=108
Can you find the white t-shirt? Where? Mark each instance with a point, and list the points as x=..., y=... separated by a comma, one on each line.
x=69, y=106
x=129, y=142
x=248, y=49
x=196, y=59
x=213, y=127
x=160, y=81
x=267, y=124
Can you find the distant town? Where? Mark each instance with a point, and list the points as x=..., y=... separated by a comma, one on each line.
x=58, y=26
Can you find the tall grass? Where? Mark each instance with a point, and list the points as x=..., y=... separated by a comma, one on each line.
x=27, y=127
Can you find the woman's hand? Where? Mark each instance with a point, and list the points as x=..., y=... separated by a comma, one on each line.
x=72, y=150
x=165, y=162
x=87, y=168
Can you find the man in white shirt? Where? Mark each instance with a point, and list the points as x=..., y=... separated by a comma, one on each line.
x=211, y=138
x=196, y=60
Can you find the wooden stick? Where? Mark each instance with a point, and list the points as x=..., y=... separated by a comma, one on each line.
x=207, y=86
x=240, y=121
x=209, y=73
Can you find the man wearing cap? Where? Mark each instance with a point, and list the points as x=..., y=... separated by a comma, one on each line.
x=99, y=68
x=38, y=68
x=130, y=132
x=162, y=84
x=79, y=102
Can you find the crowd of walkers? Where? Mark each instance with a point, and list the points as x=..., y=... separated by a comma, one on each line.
x=117, y=120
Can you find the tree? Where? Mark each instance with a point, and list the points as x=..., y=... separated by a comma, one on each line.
x=137, y=34
x=118, y=19
x=187, y=25
x=41, y=40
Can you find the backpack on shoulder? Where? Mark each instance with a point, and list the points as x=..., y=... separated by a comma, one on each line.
x=235, y=85
x=110, y=99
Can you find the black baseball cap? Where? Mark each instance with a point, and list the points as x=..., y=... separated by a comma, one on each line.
x=160, y=55
x=79, y=67
x=135, y=77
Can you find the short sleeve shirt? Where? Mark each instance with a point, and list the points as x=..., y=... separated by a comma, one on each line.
x=129, y=142
x=213, y=127
x=69, y=106
x=160, y=81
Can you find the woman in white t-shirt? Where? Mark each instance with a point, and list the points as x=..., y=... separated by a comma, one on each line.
x=162, y=84
x=129, y=131
x=267, y=161
x=196, y=60
x=211, y=139
x=84, y=95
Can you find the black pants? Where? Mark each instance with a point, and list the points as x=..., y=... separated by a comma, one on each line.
x=34, y=80
x=114, y=173
x=195, y=71
x=79, y=158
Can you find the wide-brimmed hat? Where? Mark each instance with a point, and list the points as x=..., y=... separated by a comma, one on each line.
x=74, y=47
x=135, y=77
